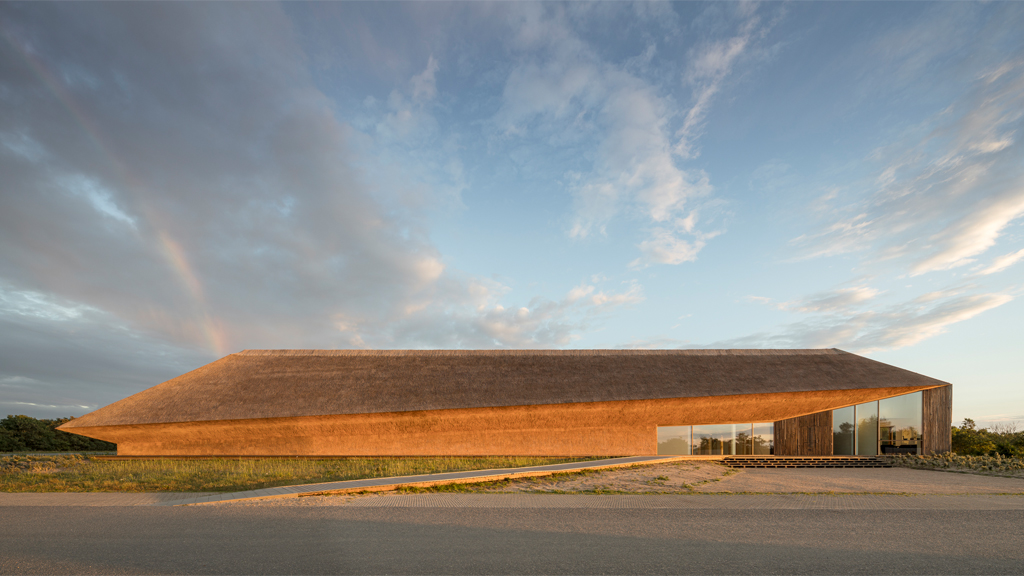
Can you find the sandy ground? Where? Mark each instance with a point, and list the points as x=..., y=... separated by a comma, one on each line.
x=709, y=478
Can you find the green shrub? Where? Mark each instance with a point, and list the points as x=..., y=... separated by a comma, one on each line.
x=1005, y=441
x=25, y=433
x=9, y=442
x=996, y=464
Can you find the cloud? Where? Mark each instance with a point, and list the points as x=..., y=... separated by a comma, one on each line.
x=423, y=84
x=839, y=300
x=62, y=358
x=834, y=301
x=710, y=64
x=541, y=323
x=846, y=325
x=973, y=234
x=1003, y=262
x=946, y=193
x=244, y=220
x=564, y=91
x=665, y=248
x=197, y=194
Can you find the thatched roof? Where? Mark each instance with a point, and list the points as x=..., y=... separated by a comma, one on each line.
x=285, y=383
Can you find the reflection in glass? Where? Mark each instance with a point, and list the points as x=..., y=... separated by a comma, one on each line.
x=704, y=442
x=713, y=440
x=842, y=431
x=723, y=439
x=674, y=440
x=867, y=429
x=763, y=439
x=899, y=424
x=741, y=433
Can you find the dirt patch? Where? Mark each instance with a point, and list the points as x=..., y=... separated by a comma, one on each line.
x=672, y=478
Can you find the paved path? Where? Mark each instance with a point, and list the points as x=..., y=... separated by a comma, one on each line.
x=696, y=502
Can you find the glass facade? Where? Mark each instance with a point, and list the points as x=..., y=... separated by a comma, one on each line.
x=899, y=424
x=712, y=439
x=842, y=432
x=763, y=439
x=867, y=429
x=717, y=439
x=889, y=426
x=674, y=440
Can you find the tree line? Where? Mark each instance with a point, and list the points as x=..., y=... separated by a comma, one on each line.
x=1002, y=439
x=25, y=433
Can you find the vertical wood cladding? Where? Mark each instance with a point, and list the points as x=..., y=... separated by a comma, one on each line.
x=809, y=435
x=937, y=420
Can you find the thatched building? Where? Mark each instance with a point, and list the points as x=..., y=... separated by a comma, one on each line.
x=517, y=402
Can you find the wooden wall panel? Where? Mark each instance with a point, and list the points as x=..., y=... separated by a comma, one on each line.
x=937, y=420
x=809, y=435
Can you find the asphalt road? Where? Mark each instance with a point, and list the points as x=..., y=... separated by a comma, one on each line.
x=346, y=540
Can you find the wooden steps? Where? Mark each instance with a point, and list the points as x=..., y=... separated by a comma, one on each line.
x=805, y=462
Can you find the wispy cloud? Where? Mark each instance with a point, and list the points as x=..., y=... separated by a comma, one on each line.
x=711, y=62
x=563, y=82
x=1003, y=262
x=476, y=319
x=838, y=300
x=841, y=320
x=944, y=198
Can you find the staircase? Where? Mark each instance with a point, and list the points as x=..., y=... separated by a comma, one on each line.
x=805, y=462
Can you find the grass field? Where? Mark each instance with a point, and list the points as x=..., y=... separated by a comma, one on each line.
x=77, y=473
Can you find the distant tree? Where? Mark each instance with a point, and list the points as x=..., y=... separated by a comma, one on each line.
x=34, y=434
x=9, y=442
x=1004, y=440
x=22, y=433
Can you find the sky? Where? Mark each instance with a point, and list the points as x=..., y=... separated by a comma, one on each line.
x=181, y=181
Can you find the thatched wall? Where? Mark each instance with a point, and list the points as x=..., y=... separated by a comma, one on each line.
x=581, y=429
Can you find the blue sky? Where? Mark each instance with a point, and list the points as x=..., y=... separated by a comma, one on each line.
x=182, y=181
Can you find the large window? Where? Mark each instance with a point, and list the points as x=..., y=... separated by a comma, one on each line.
x=763, y=439
x=899, y=424
x=717, y=439
x=842, y=431
x=867, y=429
x=892, y=425
x=674, y=440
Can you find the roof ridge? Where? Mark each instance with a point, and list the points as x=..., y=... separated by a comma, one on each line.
x=547, y=352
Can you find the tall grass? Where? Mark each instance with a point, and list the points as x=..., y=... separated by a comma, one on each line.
x=76, y=473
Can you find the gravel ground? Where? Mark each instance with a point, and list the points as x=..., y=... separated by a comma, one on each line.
x=873, y=480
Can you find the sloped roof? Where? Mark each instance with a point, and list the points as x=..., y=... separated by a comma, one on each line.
x=287, y=383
